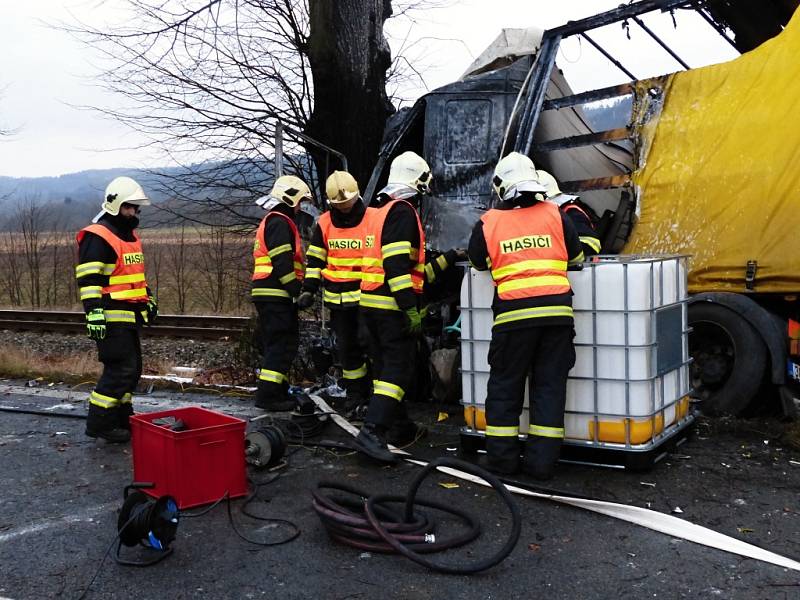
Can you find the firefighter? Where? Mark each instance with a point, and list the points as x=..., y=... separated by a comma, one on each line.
x=393, y=272
x=568, y=204
x=276, y=283
x=527, y=244
x=334, y=258
x=117, y=301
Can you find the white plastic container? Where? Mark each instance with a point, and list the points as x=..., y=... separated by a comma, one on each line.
x=630, y=381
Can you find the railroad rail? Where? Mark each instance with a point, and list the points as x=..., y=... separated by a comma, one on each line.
x=193, y=326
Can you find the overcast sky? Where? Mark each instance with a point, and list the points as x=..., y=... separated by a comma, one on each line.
x=46, y=73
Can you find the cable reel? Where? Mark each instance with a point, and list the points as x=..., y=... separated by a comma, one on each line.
x=150, y=522
x=265, y=447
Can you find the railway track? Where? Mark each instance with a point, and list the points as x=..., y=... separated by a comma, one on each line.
x=193, y=326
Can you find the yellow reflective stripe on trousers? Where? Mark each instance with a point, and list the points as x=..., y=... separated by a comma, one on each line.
x=497, y=431
x=268, y=292
x=91, y=291
x=313, y=273
x=533, y=313
x=102, y=401
x=118, y=279
x=119, y=316
x=272, y=376
x=127, y=398
x=279, y=250
x=401, y=282
x=533, y=282
x=578, y=259
x=549, y=432
x=317, y=252
x=355, y=373
x=376, y=301
x=129, y=294
x=290, y=276
x=530, y=265
x=591, y=241
x=395, y=249
x=384, y=388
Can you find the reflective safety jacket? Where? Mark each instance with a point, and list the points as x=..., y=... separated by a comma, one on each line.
x=272, y=245
x=528, y=250
x=120, y=287
x=583, y=225
x=380, y=288
x=335, y=254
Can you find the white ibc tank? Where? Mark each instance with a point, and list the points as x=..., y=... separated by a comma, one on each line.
x=631, y=378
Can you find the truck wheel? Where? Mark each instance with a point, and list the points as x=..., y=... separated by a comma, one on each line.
x=729, y=358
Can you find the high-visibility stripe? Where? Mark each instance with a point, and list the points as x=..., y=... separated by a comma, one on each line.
x=93, y=268
x=119, y=279
x=127, y=398
x=287, y=278
x=91, y=291
x=533, y=313
x=129, y=294
x=375, y=301
x=272, y=376
x=401, y=282
x=384, y=388
x=298, y=267
x=344, y=262
x=549, y=432
x=497, y=431
x=263, y=269
x=578, y=259
x=355, y=373
x=372, y=277
x=277, y=251
x=273, y=292
x=263, y=260
x=317, y=252
x=371, y=262
x=534, y=282
x=430, y=274
x=343, y=298
x=102, y=400
x=530, y=265
x=395, y=249
x=441, y=260
x=313, y=273
x=590, y=241
x=341, y=275
x=120, y=316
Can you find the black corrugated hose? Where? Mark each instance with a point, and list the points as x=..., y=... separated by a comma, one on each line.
x=367, y=523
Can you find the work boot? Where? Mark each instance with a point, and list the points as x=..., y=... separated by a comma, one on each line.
x=125, y=413
x=371, y=441
x=541, y=457
x=499, y=466
x=403, y=433
x=104, y=423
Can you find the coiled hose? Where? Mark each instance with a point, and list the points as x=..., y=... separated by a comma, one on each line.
x=367, y=523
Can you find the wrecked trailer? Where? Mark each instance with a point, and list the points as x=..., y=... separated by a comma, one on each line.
x=702, y=164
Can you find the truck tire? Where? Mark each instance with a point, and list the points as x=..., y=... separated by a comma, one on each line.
x=729, y=358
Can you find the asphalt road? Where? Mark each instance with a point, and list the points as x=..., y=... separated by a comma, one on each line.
x=61, y=492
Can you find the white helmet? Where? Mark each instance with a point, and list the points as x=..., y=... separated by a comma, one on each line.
x=514, y=174
x=410, y=169
x=122, y=190
x=288, y=189
x=341, y=187
x=554, y=193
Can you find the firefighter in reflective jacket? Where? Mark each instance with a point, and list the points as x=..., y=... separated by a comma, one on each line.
x=527, y=244
x=393, y=272
x=568, y=204
x=117, y=301
x=277, y=277
x=334, y=259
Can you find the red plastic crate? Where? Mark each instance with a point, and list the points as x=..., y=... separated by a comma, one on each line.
x=196, y=466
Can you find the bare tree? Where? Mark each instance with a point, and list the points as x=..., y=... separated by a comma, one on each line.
x=207, y=80
x=177, y=255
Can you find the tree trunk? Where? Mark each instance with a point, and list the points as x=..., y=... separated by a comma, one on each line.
x=349, y=57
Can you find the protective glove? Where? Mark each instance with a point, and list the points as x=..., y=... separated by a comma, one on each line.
x=152, y=309
x=304, y=300
x=96, y=324
x=413, y=320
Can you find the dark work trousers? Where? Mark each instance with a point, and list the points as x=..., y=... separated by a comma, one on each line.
x=279, y=333
x=121, y=354
x=351, y=353
x=546, y=353
x=392, y=353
